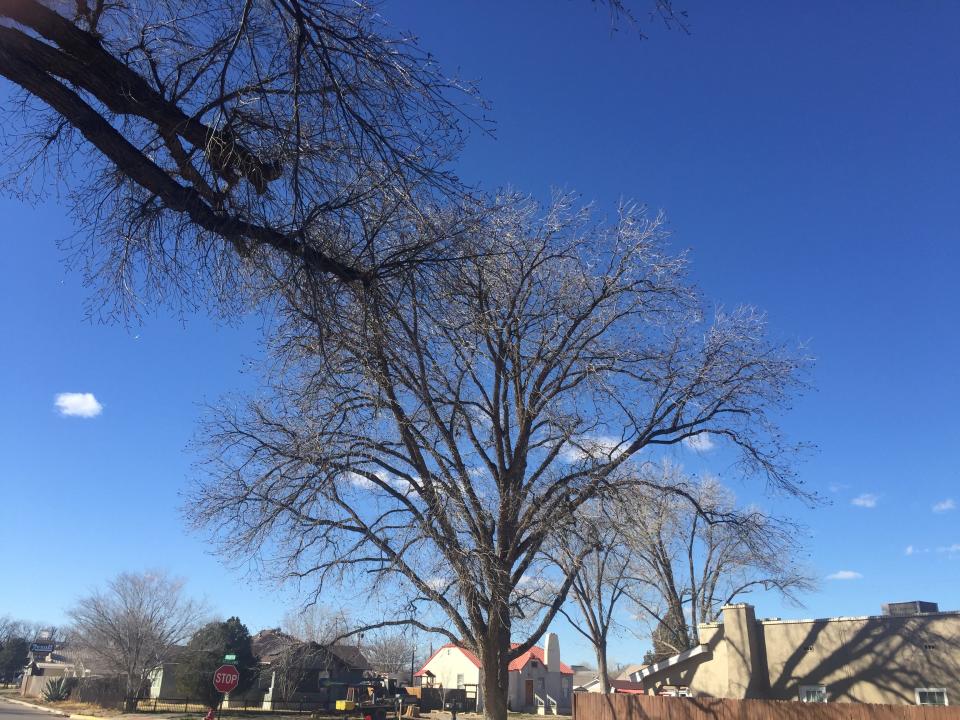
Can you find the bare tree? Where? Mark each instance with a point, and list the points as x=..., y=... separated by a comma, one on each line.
x=456, y=425
x=132, y=626
x=318, y=623
x=699, y=551
x=390, y=652
x=596, y=544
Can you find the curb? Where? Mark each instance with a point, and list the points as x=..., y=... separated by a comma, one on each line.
x=37, y=707
x=55, y=712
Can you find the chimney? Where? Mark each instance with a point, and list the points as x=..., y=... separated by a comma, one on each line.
x=551, y=654
x=745, y=661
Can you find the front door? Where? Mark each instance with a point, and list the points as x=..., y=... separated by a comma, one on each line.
x=528, y=693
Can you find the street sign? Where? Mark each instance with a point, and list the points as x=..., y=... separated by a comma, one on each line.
x=226, y=678
x=229, y=658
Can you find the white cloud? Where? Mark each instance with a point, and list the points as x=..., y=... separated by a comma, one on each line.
x=597, y=447
x=83, y=405
x=844, y=575
x=701, y=443
x=949, y=549
x=866, y=500
x=944, y=506
x=910, y=550
x=438, y=583
x=358, y=480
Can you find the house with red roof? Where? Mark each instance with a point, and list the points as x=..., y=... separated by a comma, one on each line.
x=539, y=681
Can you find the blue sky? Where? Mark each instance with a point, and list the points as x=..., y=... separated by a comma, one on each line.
x=807, y=154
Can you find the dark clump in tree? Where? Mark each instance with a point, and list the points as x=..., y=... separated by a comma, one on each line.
x=205, y=653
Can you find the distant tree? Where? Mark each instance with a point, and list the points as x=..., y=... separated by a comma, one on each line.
x=317, y=623
x=205, y=653
x=594, y=548
x=698, y=550
x=13, y=657
x=27, y=629
x=389, y=652
x=668, y=638
x=134, y=624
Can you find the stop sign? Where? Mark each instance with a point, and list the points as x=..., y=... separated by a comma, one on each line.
x=226, y=678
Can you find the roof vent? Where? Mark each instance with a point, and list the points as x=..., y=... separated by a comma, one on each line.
x=913, y=607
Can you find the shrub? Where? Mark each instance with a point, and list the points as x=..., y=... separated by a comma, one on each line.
x=58, y=689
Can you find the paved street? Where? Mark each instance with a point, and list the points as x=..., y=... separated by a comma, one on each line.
x=12, y=711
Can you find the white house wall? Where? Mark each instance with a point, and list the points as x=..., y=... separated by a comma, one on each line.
x=449, y=663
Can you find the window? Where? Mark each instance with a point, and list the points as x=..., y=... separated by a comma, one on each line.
x=460, y=680
x=929, y=646
x=813, y=693
x=931, y=696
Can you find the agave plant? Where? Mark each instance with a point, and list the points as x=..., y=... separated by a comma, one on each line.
x=57, y=689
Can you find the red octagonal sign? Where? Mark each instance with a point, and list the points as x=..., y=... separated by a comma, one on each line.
x=226, y=678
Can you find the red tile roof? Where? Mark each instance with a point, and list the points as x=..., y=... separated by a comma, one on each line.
x=535, y=653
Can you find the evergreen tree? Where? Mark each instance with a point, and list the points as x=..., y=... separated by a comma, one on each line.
x=205, y=653
x=13, y=657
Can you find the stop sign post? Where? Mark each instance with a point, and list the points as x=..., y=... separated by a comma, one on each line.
x=225, y=679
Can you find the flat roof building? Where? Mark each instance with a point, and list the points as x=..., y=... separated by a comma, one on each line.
x=894, y=658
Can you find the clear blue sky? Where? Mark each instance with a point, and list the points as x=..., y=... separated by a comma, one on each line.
x=808, y=155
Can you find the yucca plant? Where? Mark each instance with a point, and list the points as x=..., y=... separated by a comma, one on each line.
x=57, y=689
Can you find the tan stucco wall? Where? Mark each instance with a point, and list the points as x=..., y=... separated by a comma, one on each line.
x=876, y=659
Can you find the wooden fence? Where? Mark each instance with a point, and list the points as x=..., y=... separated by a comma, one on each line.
x=595, y=706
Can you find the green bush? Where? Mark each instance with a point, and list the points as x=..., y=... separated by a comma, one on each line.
x=58, y=689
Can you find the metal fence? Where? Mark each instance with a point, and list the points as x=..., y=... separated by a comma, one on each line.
x=190, y=705
x=596, y=706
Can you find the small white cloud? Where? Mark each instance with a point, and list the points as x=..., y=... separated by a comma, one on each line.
x=438, y=583
x=701, y=443
x=83, y=405
x=949, y=549
x=910, y=550
x=844, y=575
x=837, y=487
x=594, y=447
x=944, y=506
x=358, y=480
x=866, y=500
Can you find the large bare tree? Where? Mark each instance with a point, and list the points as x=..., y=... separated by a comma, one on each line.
x=697, y=551
x=132, y=626
x=451, y=424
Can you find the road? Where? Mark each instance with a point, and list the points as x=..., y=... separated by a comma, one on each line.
x=12, y=711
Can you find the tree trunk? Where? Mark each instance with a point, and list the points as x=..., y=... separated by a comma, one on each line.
x=496, y=676
x=601, y=649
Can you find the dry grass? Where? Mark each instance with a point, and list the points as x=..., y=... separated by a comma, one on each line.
x=70, y=707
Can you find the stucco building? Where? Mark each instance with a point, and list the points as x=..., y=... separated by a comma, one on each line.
x=539, y=681
x=895, y=658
